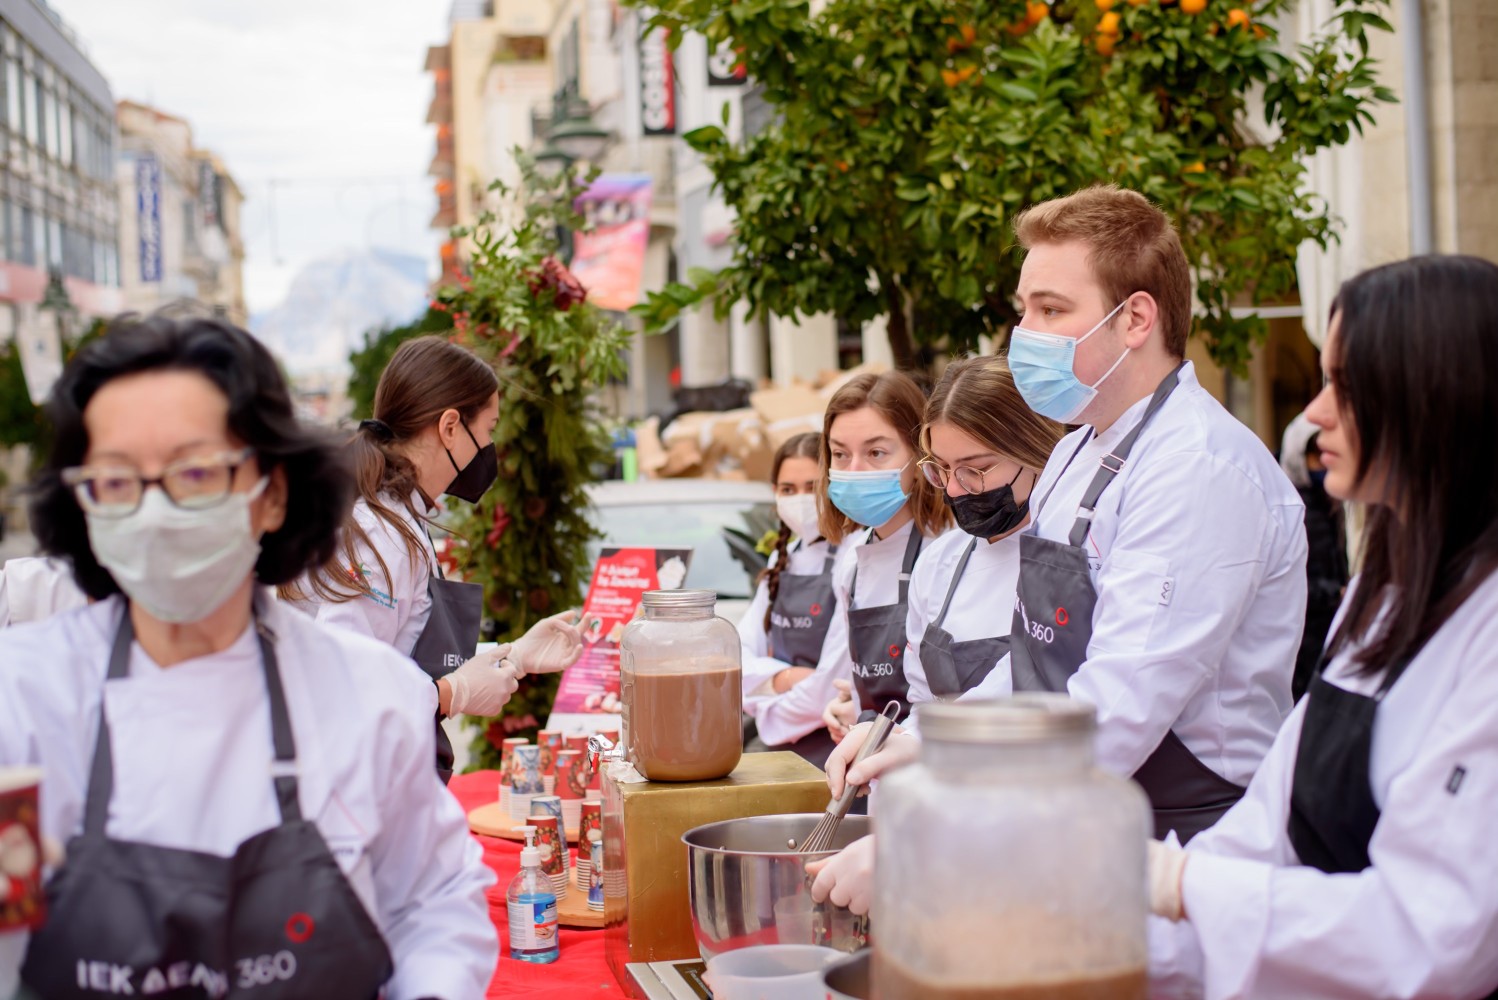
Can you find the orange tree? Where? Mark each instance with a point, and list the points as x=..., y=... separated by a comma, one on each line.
x=907, y=134
x=517, y=306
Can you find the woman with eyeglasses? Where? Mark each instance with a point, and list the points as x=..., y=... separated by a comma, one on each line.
x=435, y=409
x=246, y=796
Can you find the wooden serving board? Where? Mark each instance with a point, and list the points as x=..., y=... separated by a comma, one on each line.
x=492, y=821
x=572, y=909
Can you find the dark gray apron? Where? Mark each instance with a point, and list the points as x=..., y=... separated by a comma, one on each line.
x=1052, y=628
x=804, y=605
x=954, y=667
x=277, y=919
x=876, y=641
x=449, y=640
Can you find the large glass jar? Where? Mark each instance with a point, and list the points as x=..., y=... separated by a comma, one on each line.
x=681, y=688
x=1007, y=865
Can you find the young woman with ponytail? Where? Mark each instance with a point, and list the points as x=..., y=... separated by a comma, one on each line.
x=783, y=630
x=434, y=415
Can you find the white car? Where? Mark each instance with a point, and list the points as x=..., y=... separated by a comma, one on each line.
x=721, y=521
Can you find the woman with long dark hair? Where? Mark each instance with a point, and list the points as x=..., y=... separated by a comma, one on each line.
x=1362, y=860
x=246, y=796
x=435, y=403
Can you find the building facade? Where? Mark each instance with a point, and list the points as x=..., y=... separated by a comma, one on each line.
x=179, y=218
x=59, y=264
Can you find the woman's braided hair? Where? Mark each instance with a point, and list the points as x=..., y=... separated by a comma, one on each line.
x=808, y=445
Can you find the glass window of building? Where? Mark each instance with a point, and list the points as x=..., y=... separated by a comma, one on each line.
x=4, y=230
x=54, y=243
x=48, y=110
x=28, y=96
x=64, y=129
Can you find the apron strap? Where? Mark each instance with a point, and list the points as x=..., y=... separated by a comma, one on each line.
x=912, y=551
x=1057, y=482
x=1111, y=464
x=967, y=554
x=283, y=770
x=831, y=558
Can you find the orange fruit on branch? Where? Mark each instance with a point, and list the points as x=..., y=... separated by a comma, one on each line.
x=1036, y=11
x=1108, y=25
x=1193, y=6
x=1238, y=18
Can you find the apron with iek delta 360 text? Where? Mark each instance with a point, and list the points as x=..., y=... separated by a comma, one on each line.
x=449, y=640
x=274, y=921
x=954, y=667
x=1052, y=628
x=876, y=641
x=803, y=609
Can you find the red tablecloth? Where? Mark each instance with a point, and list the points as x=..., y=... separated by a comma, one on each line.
x=581, y=970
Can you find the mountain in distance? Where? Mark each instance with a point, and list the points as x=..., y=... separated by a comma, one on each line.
x=334, y=301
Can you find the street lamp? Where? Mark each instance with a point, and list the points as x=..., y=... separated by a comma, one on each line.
x=552, y=162
x=579, y=138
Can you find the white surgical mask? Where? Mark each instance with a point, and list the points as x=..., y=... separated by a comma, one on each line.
x=179, y=565
x=799, y=513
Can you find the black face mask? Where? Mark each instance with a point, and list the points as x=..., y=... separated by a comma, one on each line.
x=990, y=514
x=474, y=479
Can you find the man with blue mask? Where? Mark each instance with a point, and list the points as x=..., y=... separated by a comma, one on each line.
x=1163, y=576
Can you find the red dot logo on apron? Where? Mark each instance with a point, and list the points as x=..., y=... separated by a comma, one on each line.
x=816, y=609
x=894, y=650
x=1062, y=617
x=299, y=927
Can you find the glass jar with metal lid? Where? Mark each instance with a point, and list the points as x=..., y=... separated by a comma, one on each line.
x=1007, y=865
x=681, y=688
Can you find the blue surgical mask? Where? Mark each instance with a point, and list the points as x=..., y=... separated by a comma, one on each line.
x=869, y=498
x=1042, y=368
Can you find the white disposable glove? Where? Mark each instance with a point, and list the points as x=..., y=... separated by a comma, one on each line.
x=550, y=645
x=1167, y=864
x=847, y=878
x=483, y=685
x=841, y=713
x=900, y=749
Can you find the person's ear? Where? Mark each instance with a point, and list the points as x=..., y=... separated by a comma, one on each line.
x=269, y=511
x=1141, y=314
x=448, y=427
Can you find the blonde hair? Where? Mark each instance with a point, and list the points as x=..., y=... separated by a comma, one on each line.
x=978, y=397
x=897, y=398
x=1132, y=248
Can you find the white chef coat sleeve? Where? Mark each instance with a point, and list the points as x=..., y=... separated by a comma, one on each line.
x=429, y=874
x=1185, y=562
x=1421, y=921
x=798, y=712
x=759, y=667
x=34, y=588
x=396, y=593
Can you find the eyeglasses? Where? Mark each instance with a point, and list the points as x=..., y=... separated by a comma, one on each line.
x=971, y=480
x=192, y=484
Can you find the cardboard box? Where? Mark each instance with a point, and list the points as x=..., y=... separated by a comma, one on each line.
x=646, y=902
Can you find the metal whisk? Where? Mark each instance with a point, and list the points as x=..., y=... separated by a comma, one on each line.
x=821, y=836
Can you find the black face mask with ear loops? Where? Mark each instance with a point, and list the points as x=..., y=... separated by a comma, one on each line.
x=474, y=479
x=990, y=514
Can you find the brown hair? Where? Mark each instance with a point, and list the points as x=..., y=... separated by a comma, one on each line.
x=1132, y=248
x=808, y=445
x=897, y=398
x=426, y=377
x=978, y=396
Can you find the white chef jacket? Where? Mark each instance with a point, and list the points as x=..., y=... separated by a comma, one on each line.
x=802, y=559
x=192, y=746
x=398, y=605
x=797, y=712
x=1422, y=921
x=978, y=607
x=1198, y=554
x=32, y=589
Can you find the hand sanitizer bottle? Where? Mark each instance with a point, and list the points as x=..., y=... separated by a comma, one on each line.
x=532, y=907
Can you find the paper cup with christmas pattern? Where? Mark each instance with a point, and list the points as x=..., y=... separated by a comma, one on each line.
x=22, y=903
x=595, y=870
x=550, y=742
x=579, y=742
x=525, y=780
x=550, y=805
x=595, y=779
x=506, y=751
x=552, y=844
x=572, y=787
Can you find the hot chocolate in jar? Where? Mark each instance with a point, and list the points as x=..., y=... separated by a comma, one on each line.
x=681, y=686
x=1008, y=867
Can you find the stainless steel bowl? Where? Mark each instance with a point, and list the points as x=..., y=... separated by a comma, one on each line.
x=748, y=885
x=849, y=979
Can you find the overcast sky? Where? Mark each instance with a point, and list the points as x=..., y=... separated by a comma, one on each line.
x=327, y=98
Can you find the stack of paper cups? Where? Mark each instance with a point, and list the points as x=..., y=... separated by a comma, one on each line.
x=595, y=870
x=506, y=751
x=592, y=819
x=550, y=742
x=552, y=844
x=525, y=780
x=550, y=805
x=572, y=788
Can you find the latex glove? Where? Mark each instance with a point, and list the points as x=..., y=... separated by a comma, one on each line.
x=900, y=749
x=550, y=645
x=1167, y=865
x=483, y=685
x=847, y=878
x=841, y=713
